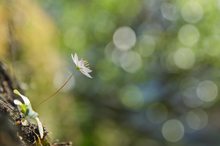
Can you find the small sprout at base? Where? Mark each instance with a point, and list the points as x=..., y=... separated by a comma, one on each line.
x=40, y=127
x=25, y=99
x=28, y=112
x=81, y=65
x=17, y=102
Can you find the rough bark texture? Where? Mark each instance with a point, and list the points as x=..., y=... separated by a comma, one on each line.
x=12, y=131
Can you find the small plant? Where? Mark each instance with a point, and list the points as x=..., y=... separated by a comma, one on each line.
x=81, y=65
x=26, y=108
x=28, y=112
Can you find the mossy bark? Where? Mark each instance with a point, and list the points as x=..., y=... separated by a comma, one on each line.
x=12, y=131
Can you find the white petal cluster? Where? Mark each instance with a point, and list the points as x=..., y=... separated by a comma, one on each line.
x=81, y=65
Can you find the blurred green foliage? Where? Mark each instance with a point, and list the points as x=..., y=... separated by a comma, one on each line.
x=155, y=66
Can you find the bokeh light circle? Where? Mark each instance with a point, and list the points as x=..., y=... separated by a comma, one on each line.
x=188, y=35
x=184, y=58
x=173, y=130
x=169, y=11
x=192, y=11
x=197, y=119
x=131, y=61
x=124, y=38
x=207, y=91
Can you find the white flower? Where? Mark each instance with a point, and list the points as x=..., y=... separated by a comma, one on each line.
x=81, y=65
x=28, y=112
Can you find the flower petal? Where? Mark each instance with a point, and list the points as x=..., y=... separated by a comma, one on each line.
x=40, y=127
x=86, y=69
x=81, y=65
x=75, y=59
x=85, y=73
x=25, y=99
x=17, y=102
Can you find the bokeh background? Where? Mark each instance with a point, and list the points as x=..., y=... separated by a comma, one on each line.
x=156, y=68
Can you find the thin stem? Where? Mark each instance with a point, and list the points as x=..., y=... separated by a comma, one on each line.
x=58, y=90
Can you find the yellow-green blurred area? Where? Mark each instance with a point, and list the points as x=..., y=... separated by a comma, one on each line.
x=156, y=68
